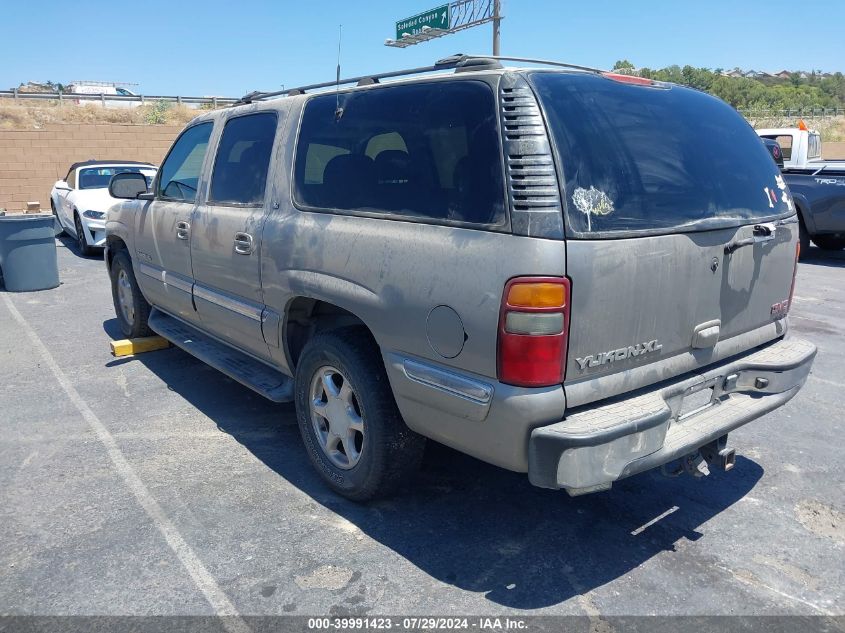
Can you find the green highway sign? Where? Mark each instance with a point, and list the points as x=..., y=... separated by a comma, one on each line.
x=437, y=18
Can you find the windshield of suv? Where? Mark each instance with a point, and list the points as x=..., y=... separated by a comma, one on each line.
x=655, y=159
x=99, y=177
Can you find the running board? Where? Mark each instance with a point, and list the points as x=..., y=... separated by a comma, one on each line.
x=261, y=378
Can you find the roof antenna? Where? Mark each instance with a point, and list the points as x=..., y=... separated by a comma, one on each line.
x=338, y=112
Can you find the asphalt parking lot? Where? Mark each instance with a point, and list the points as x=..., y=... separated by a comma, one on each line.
x=155, y=485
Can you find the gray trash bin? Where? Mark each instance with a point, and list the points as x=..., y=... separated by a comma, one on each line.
x=28, y=252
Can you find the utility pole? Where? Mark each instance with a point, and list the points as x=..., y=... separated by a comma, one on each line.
x=497, y=9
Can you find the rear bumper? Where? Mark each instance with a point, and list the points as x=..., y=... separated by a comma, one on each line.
x=596, y=446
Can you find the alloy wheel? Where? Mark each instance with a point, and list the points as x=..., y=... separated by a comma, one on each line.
x=124, y=297
x=80, y=236
x=336, y=417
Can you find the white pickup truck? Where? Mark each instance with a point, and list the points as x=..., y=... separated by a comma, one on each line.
x=801, y=146
x=817, y=186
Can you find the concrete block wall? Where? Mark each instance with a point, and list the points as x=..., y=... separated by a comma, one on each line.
x=32, y=160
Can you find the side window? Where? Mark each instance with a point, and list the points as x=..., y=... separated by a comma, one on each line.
x=385, y=142
x=785, y=142
x=71, y=179
x=428, y=151
x=240, y=169
x=181, y=169
x=316, y=159
x=814, y=148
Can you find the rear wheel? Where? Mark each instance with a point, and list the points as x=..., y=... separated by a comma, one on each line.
x=353, y=432
x=81, y=240
x=829, y=242
x=803, y=239
x=129, y=304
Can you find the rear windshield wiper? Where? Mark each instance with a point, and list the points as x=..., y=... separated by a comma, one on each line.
x=708, y=224
x=760, y=233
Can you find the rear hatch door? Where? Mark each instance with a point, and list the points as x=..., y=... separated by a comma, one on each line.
x=681, y=232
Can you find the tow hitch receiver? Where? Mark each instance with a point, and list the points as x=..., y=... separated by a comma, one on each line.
x=718, y=455
x=715, y=454
x=692, y=464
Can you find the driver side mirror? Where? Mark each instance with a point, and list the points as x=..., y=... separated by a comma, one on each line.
x=128, y=186
x=63, y=186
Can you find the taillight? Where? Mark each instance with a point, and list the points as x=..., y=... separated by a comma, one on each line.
x=629, y=79
x=794, y=272
x=533, y=327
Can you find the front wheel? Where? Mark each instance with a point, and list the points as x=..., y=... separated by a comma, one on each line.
x=129, y=304
x=829, y=242
x=81, y=241
x=353, y=432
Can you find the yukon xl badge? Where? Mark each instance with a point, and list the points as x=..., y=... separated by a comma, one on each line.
x=618, y=354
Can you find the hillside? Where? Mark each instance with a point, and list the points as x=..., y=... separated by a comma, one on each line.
x=796, y=92
x=33, y=115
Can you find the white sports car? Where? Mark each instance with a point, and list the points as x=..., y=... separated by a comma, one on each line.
x=81, y=200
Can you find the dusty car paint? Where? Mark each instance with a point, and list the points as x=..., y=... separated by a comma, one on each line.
x=638, y=304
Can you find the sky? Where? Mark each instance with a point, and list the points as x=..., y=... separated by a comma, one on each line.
x=228, y=48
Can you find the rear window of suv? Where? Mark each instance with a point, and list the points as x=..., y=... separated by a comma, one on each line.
x=427, y=152
x=641, y=159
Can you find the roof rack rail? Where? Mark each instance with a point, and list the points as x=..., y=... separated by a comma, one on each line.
x=544, y=62
x=444, y=64
x=460, y=62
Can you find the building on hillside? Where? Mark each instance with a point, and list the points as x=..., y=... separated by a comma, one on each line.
x=784, y=74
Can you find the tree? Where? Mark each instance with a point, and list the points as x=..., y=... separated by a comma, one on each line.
x=813, y=91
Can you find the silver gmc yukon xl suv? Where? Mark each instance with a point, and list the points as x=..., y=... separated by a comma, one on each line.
x=557, y=270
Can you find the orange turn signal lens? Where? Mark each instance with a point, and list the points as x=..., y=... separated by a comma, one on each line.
x=537, y=295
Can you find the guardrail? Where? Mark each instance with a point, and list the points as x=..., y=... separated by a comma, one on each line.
x=807, y=113
x=215, y=102
x=105, y=99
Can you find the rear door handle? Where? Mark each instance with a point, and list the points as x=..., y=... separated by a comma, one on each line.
x=183, y=230
x=760, y=233
x=243, y=243
x=764, y=232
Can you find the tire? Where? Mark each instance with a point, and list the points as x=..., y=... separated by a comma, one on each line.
x=829, y=242
x=56, y=219
x=133, y=322
x=81, y=241
x=385, y=452
x=803, y=239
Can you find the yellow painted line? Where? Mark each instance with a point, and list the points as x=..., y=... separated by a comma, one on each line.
x=130, y=346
